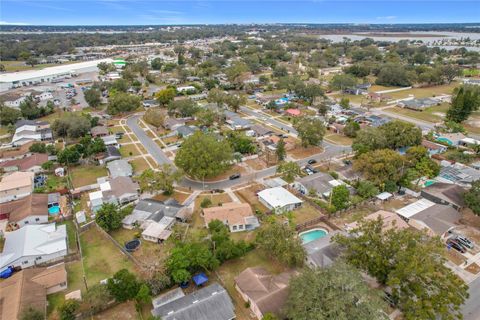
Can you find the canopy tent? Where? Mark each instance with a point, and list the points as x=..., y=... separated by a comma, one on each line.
x=200, y=279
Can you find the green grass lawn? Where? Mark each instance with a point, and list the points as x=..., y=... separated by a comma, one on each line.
x=71, y=235
x=339, y=139
x=425, y=92
x=129, y=150
x=85, y=175
x=13, y=65
x=101, y=257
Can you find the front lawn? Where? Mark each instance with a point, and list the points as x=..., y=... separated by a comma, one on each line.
x=85, y=175
x=129, y=150
x=139, y=165
x=101, y=258
x=432, y=114
x=339, y=139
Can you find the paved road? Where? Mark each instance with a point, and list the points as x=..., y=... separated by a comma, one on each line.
x=150, y=145
x=471, y=309
x=330, y=151
x=268, y=118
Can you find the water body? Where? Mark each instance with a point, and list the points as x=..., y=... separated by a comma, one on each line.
x=429, y=38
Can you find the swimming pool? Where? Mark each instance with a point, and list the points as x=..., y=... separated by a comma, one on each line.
x=314, y=234
x=53, y=210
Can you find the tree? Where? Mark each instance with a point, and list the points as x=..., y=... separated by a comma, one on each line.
x=106, y=67
x=345, y=103
x=123, y=286
x=380, y=166
x=68, y=309
x=32, y=314
x=109, y=217
x=310, y=131
x=71, y=125
x=235, y=101
x=465, y=100
x=8, y=115
x=143, y=295
x=351, y=129
x=366, y=189
x=343, y=81
x=185, y=107
x=222, y=246
x=152, y=181
x=240, y=142
x=122, y=102
x=401, y=134
x=393, y=75
x=472, y=197
x=93, y=97
x=369, y=139
x=206, y=117
x=411, y=264
x=155, y=117
x=281, y=152
x=97, y=297
x=217, y=96
x=280, y=241
x=289, y=171
x=38, y=147
x=340, y=197
x=203, y=156
x=156, y=64
x=165, y=96
x=311, y=92
x=68, y=156
x=336, y=292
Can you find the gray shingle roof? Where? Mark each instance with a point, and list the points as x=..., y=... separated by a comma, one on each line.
x=120, y=168
x=209, y=303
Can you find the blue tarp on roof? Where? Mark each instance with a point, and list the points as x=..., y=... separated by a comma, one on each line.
x=200, y=279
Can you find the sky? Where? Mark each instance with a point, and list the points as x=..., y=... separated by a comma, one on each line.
x=159, y=12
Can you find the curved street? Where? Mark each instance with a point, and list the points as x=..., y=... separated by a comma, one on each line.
x=330, y=151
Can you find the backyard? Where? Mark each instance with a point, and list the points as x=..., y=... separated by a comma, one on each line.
x=431, y=114
x=85, y=175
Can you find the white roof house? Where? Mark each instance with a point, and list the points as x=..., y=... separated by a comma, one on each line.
x=34, y=244
x=414, y=208
x=279, y=199
x=158, y=231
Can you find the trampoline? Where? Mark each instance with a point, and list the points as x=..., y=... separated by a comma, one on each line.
x=132, y=245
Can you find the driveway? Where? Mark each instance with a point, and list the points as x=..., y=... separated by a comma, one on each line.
x=471, y=308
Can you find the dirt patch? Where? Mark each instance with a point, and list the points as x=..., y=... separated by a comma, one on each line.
x=256, y=164
x=473, y=268
x=455, y=257
x=233, y=170
x=123, y=311
x=179, y=196
x=301, y=153
x=470, y=219
x=249, y=195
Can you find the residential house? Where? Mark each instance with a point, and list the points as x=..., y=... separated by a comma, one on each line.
x=264, y=292
x=236, y=216
x=171, y=123
x=32, y=209
x=445, y=193
x=209, y=303
x=322, y=252
x=417, y=104
x=452, y=139
x=16, y=185
x=378, y=97
x=150, y=103
x=99, y=131
x=34, y=244
x=111, y=153
x=158, y=231
x=186, y=89
x=293, y=112
x=433, y=148
x=353, y=91
x=279, y=199
x=29, y=289
x=46, y=95
x=153, y=210
x=458, y=173
x=119, y=190
x=31, y=130
x=260, y=131
x=32, y=163
x=119, y=168
x=186, y=131
x=15, y=103
x=235, y=121
x=424, y=214
x=320, y=183
x=110, y=140
x=390, y=221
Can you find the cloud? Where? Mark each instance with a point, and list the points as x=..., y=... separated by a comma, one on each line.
x=387, y=18
x=7, y=23
x=166, y=12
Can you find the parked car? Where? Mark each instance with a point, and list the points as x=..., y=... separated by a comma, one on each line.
x=234, y=176
x=456, y=245
x=464, y=241
x=312, y=161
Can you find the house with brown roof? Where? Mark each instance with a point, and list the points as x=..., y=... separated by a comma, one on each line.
x=99, y=131
x=236, y=216
x=433, y=148
x=266, y=293
x=390, y=220
x=445, y=193
x=32, y=209
x=16, y=185
x=32, y=163
x=29, y=289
